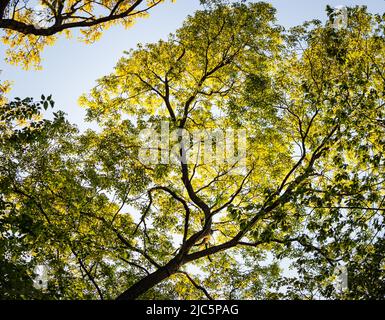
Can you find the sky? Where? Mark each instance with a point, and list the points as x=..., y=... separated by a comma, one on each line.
x=70, y=67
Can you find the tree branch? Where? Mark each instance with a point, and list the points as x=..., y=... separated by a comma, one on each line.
x=26, y=29
x=196, y=285
x=88, y=273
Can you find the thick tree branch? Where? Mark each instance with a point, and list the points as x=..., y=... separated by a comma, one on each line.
x=59, y=26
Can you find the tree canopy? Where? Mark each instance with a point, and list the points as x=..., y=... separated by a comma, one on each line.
x=308, y=190
x=30, y=25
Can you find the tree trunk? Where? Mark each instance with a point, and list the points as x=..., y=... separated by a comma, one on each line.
x=162, y=273
x=150, y=281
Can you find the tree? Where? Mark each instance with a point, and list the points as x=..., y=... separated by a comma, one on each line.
x=4, y=88
x=185, y=78
x=108, y=223
x=344, y=202
x=20, y=124
x=29, y=26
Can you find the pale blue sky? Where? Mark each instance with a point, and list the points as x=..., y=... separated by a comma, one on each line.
x=70, y=68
